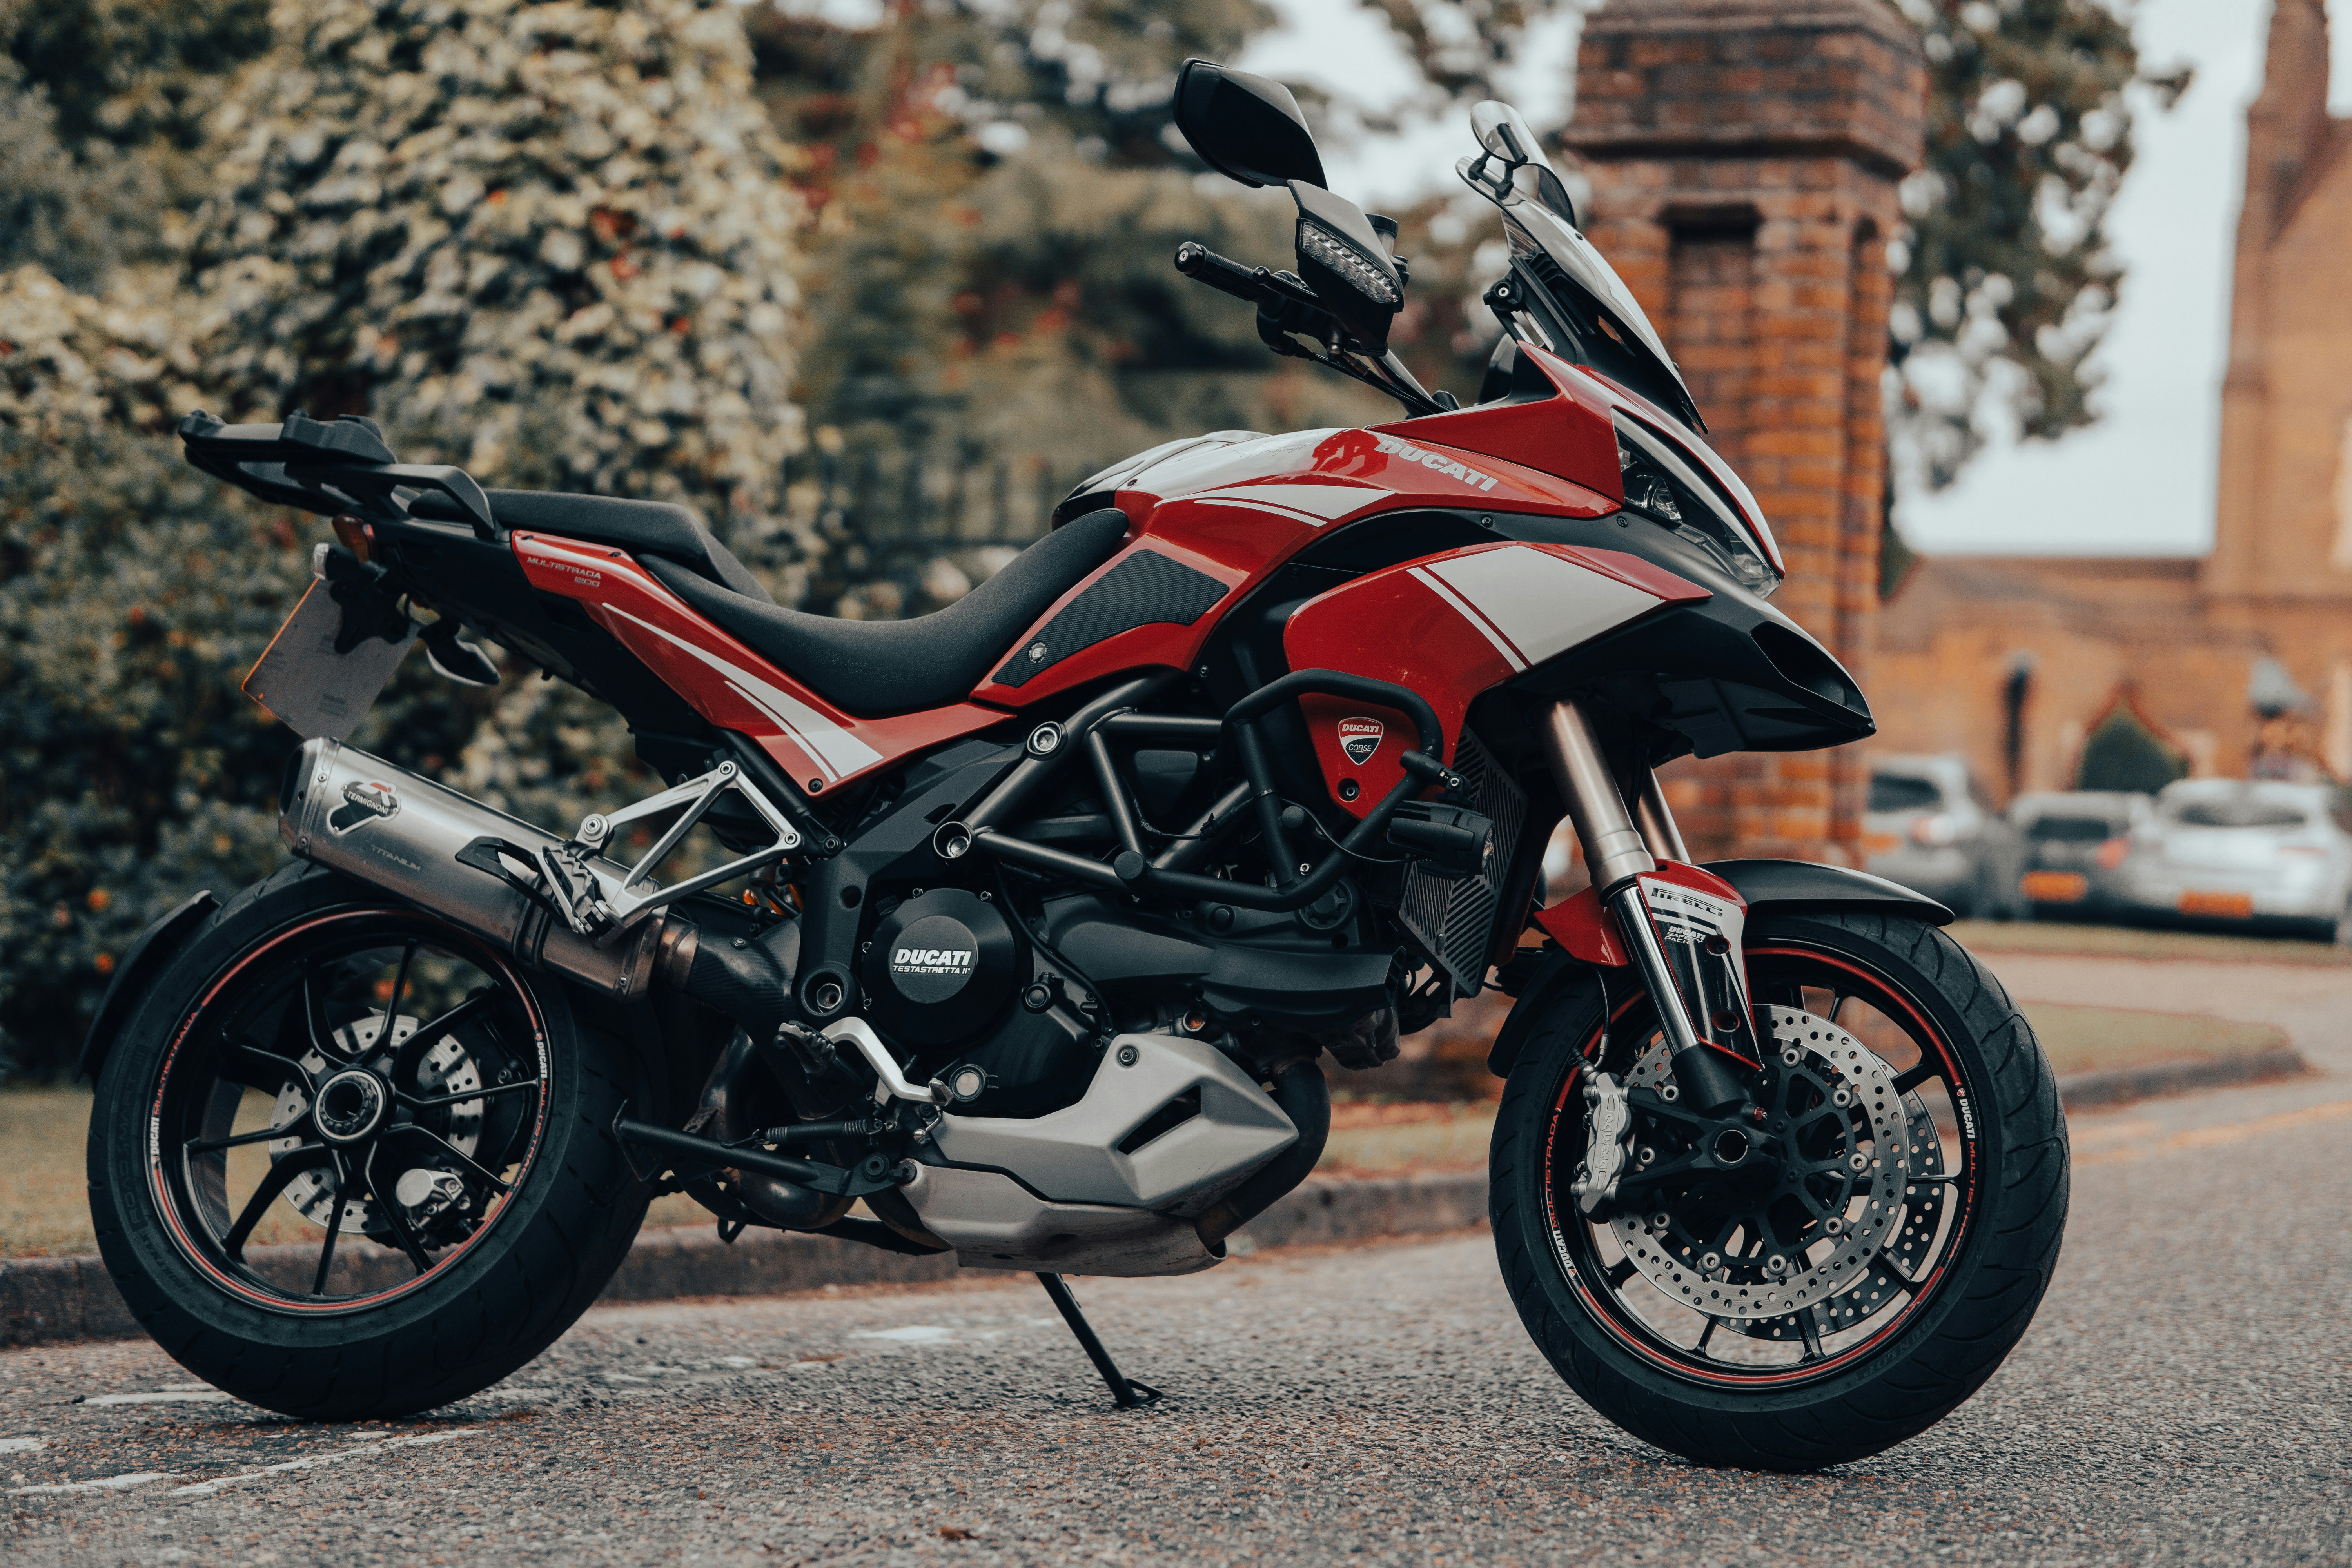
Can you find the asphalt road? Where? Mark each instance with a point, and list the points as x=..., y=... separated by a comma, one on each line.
x=2186, y=1395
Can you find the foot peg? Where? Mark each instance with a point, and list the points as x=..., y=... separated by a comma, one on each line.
x=1125, y=1392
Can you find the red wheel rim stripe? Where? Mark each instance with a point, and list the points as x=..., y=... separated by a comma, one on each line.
x=170, y=1209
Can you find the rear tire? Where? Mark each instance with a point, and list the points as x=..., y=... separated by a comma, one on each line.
x=1893, y=1377
x=409, y=1337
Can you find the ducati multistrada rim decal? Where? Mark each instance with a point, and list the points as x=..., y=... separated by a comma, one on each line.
x=1564, y=1115
x=168, y=1206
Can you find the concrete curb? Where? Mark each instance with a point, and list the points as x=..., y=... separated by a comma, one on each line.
x=2082, y=1091
x=46, y=1299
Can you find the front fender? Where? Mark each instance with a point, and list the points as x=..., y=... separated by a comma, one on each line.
x=156, y=947
x=1801, y=884
x=1762, y=885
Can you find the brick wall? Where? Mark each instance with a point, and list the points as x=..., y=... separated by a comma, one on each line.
x=1744, y=156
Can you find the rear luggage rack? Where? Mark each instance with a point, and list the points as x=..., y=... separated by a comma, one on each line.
x=328, y=466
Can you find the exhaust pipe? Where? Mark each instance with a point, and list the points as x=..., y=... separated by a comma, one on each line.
x=337, y=806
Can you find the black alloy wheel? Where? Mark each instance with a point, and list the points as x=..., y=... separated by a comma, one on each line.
x=373, y=1072
x=1822, y=1277
x=348, y=1161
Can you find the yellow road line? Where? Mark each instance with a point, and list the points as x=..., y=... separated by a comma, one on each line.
x=2226, y=1132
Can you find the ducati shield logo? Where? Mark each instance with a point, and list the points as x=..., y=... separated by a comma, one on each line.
x=1360, y=738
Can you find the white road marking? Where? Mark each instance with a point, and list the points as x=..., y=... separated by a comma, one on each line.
x=20, y=1444
x=205, y=1489
x=737, y=1361
x=106, y=1484
x=917, y=1334
x=171, y=1397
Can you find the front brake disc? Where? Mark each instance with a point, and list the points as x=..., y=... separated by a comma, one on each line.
x=1849, y=1146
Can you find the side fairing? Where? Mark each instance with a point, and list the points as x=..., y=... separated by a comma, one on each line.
x=1218, y=518
x=1450, y=626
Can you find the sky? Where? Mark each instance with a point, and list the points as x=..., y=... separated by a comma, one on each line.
x=2140, y=482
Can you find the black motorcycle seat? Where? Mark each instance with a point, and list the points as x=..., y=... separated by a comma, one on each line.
x=871, y=669
x=639, y=527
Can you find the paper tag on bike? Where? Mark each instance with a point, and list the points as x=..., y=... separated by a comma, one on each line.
x=309, y=687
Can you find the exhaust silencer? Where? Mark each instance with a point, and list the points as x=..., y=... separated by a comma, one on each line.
x=341, y=808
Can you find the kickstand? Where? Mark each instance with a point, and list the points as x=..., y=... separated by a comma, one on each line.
x=1125, y=1392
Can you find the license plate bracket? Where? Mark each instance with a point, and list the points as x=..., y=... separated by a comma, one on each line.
x=313, y=689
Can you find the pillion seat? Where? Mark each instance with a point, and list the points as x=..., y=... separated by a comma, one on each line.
x=866, y=668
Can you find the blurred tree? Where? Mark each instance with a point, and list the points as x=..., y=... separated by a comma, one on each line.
x=998, y=191
x=2006, y=281
x=100, y=106
x=552, y=243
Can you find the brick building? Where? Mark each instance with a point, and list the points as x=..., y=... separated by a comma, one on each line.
x=2240, y=662
x=1744, y=156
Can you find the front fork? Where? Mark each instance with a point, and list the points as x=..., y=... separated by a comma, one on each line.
x=1682, y=927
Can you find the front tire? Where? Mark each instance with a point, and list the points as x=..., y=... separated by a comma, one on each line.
x=1896, y=1327
x=427, y=1123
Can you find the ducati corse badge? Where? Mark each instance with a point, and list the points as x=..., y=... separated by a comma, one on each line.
x=1360, y=738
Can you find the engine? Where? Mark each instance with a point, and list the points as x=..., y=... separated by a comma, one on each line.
x=946, y=974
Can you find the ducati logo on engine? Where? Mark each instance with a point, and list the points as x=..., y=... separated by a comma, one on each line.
x=932, y=961
x=1360, y=738
x=364, y=803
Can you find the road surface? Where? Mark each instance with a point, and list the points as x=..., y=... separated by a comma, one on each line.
x=2186, y=1395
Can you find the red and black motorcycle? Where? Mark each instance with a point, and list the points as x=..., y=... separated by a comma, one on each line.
x=1057, y=897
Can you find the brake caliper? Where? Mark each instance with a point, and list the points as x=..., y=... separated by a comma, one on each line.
x=1607, y=1134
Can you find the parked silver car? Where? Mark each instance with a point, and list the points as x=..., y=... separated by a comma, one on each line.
x=1929, y=824
x=2240, y=852
x=2076, y=843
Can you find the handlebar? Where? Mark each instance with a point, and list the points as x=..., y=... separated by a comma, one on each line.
x=1202, y=265
x=1257, y=285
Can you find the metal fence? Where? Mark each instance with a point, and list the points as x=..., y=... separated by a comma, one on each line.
x=896, y=510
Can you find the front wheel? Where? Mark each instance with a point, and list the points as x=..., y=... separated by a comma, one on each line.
x=1830, y=1280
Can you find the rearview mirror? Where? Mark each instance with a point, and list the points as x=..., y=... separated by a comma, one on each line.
x=1244, y=127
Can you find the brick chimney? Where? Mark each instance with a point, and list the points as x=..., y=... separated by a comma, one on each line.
x=2287, y=132
x=1744, y=156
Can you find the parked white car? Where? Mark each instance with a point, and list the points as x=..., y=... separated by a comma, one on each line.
x=2077, y=842
x=2241, y=852
x=1929, y=825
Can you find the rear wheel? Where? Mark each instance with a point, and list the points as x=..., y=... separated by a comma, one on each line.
x=348, y=1161
x=1825, y=1284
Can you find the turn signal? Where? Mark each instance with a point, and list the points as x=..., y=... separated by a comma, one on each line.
x=1934, y=831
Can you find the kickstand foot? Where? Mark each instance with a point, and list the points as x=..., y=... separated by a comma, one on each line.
x=1126, y=1393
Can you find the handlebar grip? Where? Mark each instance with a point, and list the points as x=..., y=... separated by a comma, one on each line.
x=1200, y=264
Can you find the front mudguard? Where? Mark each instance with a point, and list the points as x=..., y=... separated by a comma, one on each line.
x=1762, y=885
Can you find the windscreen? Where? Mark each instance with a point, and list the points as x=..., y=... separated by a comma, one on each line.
x=2233, y=810
x=1605, y=326
x=1900, y=792
x=2071, y=829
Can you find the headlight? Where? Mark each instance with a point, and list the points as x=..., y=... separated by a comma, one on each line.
x=1664, y=488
